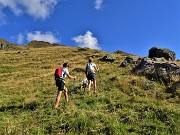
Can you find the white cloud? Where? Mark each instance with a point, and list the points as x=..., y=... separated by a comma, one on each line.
x=87, y=41
x=39, y=9
x=39, y=36
x=98, y=4
x=20, y=39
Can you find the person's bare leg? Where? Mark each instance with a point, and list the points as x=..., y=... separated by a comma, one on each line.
x=94, y=83
x=89, y=86
x=66, y=94
x=58, y=98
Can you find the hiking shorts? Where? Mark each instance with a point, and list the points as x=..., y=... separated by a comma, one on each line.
x=91, y=77
x=60, y=84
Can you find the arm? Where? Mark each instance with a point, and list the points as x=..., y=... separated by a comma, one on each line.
x=97, y=69
x=70, y=76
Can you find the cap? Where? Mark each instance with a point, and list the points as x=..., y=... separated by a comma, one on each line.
x=65, y=65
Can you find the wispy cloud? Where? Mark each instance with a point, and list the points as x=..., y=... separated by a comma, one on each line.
x=87, y=41
x=98, y=4
x=20, y=39
x=39, y=9
x=39, y=36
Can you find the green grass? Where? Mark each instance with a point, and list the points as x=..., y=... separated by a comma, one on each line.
x=125, y=103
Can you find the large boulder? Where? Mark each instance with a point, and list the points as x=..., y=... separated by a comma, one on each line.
x=156, y=52
x=158, y=71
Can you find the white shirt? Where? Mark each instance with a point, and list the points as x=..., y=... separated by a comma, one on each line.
x=64, y=72
x=90, y=67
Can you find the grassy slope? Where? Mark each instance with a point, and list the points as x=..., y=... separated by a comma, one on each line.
x=127, y=105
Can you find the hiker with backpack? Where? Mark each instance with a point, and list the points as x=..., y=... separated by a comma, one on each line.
x=60, y=75
x=91, y=75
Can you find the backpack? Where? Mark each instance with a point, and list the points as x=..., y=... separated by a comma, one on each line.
x=58, y=73
x=90, y=68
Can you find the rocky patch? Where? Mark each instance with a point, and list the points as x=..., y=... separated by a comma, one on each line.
x=153, y=70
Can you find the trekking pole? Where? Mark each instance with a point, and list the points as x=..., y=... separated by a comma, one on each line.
x=73, y=90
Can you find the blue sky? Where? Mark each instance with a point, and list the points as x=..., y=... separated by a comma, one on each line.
x=133, y=26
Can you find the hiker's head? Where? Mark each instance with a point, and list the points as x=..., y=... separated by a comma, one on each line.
x=90, y=60
x=65, y=65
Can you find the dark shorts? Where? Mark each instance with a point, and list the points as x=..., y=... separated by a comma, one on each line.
x=60, y=84
x=91, y=76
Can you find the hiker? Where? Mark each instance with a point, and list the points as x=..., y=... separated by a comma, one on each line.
x=91, y=75
x=60, y=75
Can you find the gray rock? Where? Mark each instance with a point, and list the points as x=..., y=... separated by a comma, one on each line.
x=4, y=45
x=156, y=52
x=162, y=72
x=109, y=57
x=128, y=62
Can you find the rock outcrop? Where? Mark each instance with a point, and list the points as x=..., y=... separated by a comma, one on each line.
x=157, y=66
x=156, y=52
x=5, y=45
x=128, y=62
x=158, y=71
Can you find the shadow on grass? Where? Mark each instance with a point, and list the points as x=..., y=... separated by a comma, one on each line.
x=29, y=106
